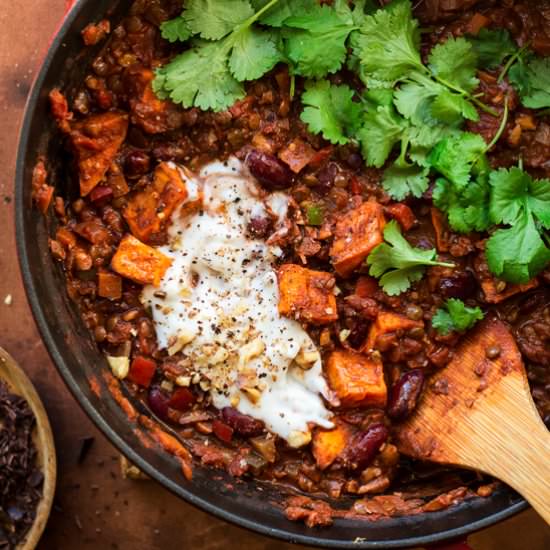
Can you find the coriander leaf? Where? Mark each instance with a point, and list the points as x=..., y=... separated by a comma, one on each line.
x=314, y=55
x=517, y=254
x=399, y=280
x=413, y=98
x=425, y=137
x=539, y=201
x=254, y=53
x=455, y=156
x=214, y=19
x=318, y=18
x=200, y=77
x=362, y=8
x=455, y=62
x=331, y=111
x=468, y=209
x=509, y=191
x=397, y=263
x=533, y=82
x=175, y=30
x=402, y=179
x=455, y=316
x=315, y=39
x=514, y=190
x=453, y=108
x=442, y=322
x=382, y=129
x=492, y=47
x=276, y=15
x=388, y=45
x=379, y=97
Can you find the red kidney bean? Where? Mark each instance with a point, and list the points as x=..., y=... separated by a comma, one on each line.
x=404, y=394
x=242, y=423
x=93, y=231
x=137, y=163
x=269, y=170
x=259, y=228
x=461, y=284
x=101, y=194
x=158, y=401
x=326, y=177
x=354, y=161
x=365, y=445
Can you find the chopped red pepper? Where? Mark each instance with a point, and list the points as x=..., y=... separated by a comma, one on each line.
x=355, y=186
x=366, y=286
x=42, y=193
x=402, y=213
x=321, y=156
x=142, y=371
x=182, y=399
x=222, y=431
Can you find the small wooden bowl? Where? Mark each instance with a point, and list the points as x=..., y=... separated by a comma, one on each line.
x=19, y=383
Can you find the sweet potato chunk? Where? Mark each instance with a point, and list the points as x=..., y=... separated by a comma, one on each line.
x=96, y=141
x=151, y=114
x=493, y=296
x=357, y=380
x=297, y=155
x=386, y=323
x=139, y=262
x=109, y=285
x=306, y=295
x=148, y=210
x=355, y=235
x=328, y=445
x=441, y=230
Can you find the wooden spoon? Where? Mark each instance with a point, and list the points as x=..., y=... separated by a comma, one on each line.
x=478, y=413
x=18, y=383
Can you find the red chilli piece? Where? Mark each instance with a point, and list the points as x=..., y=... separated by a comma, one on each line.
x=182, y=399
x=142, y=371
x=222, y=431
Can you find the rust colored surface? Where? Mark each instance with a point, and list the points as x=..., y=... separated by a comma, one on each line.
x=95, y=507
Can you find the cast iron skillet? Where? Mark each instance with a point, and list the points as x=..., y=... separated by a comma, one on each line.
x=246, y=504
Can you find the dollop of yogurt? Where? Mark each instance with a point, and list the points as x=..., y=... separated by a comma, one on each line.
x=216, y=307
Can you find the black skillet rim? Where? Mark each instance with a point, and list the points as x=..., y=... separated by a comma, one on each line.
x=316, y=538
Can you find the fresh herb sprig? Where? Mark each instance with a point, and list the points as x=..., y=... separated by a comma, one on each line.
x=398, y=264
x=227, y=49
x=455, y=316
x=234, y=41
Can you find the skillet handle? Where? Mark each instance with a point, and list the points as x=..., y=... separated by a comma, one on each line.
x=455, y=545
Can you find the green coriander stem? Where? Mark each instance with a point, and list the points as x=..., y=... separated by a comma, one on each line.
x=292, y=85
x=510, y=62
x=501, y=127
x=472, y=98
x=258, y=14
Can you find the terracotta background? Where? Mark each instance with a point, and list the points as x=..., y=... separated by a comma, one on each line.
x=95, y=507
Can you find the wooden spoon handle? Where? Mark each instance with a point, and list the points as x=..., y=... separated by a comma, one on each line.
x=527, y=468
x=522, y=458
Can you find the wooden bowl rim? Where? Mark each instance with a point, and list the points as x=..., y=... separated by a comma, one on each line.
x=20, y=384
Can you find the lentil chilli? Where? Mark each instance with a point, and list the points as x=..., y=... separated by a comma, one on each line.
x=276, y=251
